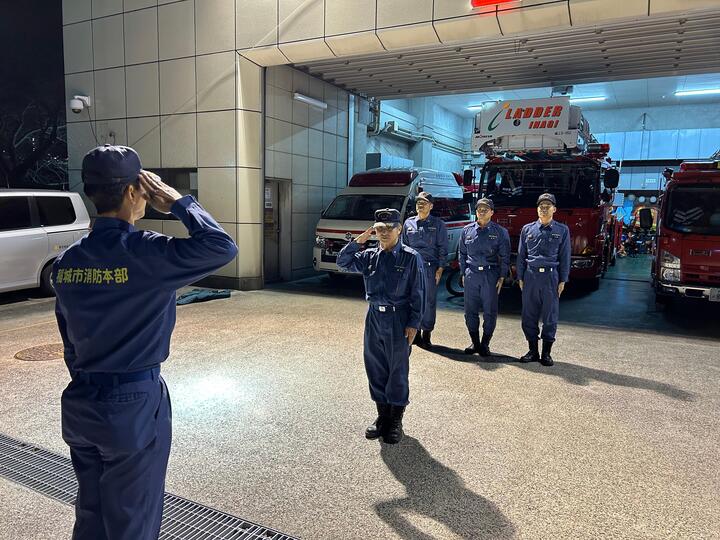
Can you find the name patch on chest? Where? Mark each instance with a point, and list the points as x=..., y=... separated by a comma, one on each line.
x=555, y=236
x=492, y=236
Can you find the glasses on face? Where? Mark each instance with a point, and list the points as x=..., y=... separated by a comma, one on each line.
x=421, y=204
x=545, y=207
x=483, y=210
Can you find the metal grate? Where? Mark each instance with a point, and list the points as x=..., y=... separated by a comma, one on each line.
x=52, y=475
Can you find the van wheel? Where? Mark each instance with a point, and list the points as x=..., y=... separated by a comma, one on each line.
x=46, y=286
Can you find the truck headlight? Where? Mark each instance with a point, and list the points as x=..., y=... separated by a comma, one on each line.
x=581, y=263
x=668, y=260
x=320, y=242
x=670, y=274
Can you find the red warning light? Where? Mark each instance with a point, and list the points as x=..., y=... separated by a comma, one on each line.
x=485, y=3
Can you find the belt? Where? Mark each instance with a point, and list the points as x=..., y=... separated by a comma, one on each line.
x=385, y=308
x=431, y=263
x=114, y=379
x=483, y=268
x=543, y=268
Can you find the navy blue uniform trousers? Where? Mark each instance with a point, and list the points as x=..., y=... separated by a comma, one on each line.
x=481, y=294
x=430, y=313
x=540, y=302
x=119, y=438
x=387, y=355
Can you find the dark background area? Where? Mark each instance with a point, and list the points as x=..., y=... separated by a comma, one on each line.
x=33, y=148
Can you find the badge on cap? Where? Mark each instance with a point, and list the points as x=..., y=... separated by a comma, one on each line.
x=387, y=216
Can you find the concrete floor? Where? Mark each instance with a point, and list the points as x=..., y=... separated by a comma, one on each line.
x=620, y=439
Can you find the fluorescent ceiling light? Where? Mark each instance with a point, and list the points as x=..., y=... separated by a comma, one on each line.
x=698, y=92
x=310, y=101
x=587, y=99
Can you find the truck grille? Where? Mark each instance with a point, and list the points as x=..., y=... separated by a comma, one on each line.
x=702, y=273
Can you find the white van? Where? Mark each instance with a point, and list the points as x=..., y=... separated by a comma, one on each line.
x=353, y=210
x=35, y=227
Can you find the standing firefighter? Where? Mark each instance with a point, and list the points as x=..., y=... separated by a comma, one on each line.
x=395, y=290
x=543, y=267
x=116, y=311
x=484, y=257
x=427, y=235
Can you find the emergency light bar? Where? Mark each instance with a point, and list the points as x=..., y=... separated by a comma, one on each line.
x=700, y=166
x=596, y=148
x=486, y=3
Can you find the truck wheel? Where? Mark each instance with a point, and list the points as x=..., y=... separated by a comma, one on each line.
x=662, y=302
x=46, y=286
x=452, y=283
x=593, y=284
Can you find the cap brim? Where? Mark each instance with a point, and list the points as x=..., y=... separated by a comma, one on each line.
x=385, y=224
x=484, y=204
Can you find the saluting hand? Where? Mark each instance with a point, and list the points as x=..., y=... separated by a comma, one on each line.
x=561, y=288
x=365, y=236
x=160, y=196
x=410, y=334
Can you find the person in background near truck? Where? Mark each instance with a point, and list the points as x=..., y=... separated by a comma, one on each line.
x=395, y=290
x=484, y=257
x=543, y=267
x=427, y=235
x=115, y=310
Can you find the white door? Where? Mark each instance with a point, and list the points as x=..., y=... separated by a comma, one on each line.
x=23, y=245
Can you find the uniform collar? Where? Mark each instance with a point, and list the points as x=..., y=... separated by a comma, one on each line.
x=548, y=226
x=394, y=250
x=485, y=228
x=112, y=223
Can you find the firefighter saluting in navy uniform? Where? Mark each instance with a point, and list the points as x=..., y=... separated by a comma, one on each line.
x=543, y=268
x=484, y=257
x=115, y=310
x=395, y=291
x=427, y=234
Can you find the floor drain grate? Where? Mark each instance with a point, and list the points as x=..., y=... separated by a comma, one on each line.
x=52, y=475
x=52, y=351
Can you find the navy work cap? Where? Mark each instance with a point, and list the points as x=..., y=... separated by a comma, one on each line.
x=425, y=196
x=546, y=197
x=387, y=217
x=487, y=202
x=108, y=164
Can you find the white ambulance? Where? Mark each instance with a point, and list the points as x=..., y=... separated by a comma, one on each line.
x=353, y=210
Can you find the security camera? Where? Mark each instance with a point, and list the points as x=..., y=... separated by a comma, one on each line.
x=78, y=103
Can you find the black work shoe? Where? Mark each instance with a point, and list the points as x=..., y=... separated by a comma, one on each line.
x=475, y=347
x=546, y=359
x=394, y=432
x=418, y=340
x=484, y=348
x=376, y=429
x=426, y=339
x=532, y=355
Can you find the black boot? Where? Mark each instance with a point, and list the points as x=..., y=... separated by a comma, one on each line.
x=546, y=359
x=532, y=355
x=475, y=347
x=426, y=339
x=394, y=432
x=484, y=348
x=377, y=428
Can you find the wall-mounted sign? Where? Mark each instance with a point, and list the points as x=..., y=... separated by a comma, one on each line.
x=485, y=3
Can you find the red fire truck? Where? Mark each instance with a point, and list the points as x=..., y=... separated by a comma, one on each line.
x=686, y=254
x=544, y=145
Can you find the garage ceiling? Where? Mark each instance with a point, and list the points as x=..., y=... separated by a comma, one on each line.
x=618, y=94
x=628, y=50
